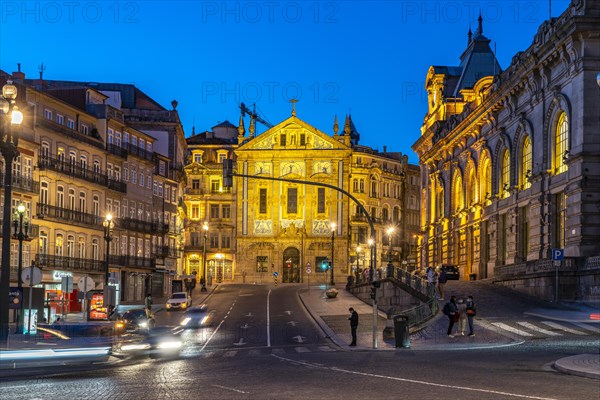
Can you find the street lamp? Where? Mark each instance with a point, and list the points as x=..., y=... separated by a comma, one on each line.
x=390, y=231
x=205, y=228
x=21, y=233
x=8, y=148
x=371, y=242
x=358, y=249
x=332, y=225
x=108, y=237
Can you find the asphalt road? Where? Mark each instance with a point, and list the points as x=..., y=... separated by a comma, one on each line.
x=262, y=345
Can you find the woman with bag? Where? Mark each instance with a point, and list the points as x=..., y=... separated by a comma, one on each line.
x=471, y=312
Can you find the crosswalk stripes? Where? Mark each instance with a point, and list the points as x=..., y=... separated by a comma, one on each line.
x=538, y=329
x=556, y=325
x=528, y=329
x=595, y=329
x=509, y=328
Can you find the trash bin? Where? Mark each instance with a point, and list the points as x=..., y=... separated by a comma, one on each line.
x=472, y=277
x=401, y=331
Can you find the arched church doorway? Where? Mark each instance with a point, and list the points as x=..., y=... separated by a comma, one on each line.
x=291, y=265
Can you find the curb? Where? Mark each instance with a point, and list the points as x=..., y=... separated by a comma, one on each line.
x=326, y=330
x=575, y=365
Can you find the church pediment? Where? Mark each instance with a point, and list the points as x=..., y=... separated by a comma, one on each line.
x=292, y=134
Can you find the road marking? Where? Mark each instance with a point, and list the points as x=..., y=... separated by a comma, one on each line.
x=588, y=327
x=240, y=343
x=538, y=329
x=230, y=353
x=509, y=328
x=229, y=388
x=301, y=350
x=394, y=378
x=326, y=348
x=299, y=339
x=561, y=327
x=213, y=334
x=268, y=321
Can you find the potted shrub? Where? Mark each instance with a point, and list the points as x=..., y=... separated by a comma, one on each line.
x=331, y=293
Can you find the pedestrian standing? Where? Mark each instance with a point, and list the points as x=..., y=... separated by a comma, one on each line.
x=442, y=279
x=431, y=277
x=471, y=312
x=450, y=310
x=462, y=316
x=353, y=324
x=148, y=304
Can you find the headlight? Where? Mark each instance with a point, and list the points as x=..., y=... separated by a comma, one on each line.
x=135, y=346
x=119, y=325
x=172, y=344
x=204, y=320
x=143, y=324
x=168, y=305
x=185, y=321
x=183, y=305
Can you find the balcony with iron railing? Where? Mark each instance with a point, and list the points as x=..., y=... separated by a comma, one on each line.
x=132, y=261
x=22, y=183
x=165, y=251
x=138, y=151
x=77, y=171
x=116, y=150
x=46, y=261
x=138, y=225
x=33, y=231
x=72, y=133
x=65, y=215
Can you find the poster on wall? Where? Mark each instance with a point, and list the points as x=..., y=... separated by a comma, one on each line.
x=30, y=322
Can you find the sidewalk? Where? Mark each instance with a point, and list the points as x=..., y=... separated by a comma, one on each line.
x=332, y=316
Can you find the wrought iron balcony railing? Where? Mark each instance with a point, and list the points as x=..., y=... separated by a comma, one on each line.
x=77, y=171
x=22, y=182
x=46, y=261
x=132, y=261
x=73, y=217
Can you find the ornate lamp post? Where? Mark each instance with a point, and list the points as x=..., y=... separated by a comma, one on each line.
x=205, y=228
x=108, y=237
x=358, y=249
x=8, y=148
x=332, y=225
x=371, y=242
x=390, y=231
x=21, y=233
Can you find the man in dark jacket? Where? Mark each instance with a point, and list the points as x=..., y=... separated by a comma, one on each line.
x=451, y=310
x=471, y=312
x=353, y=324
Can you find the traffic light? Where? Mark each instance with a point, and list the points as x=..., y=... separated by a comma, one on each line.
x=376, y=285
x=227, y=173
x=325, y=265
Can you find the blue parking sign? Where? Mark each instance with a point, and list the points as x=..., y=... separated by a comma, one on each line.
x=558, y=254
x=275, y=274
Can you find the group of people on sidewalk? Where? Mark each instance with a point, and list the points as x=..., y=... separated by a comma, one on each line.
x=460, y=312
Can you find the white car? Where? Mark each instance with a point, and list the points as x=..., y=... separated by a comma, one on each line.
x=179, y=301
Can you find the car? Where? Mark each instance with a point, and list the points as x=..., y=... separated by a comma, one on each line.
x=158, y=342
x=136, y=321
x=196, y=317
x=179, y=301
x=452, y=272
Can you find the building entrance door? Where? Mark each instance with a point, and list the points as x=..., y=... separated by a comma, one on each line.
x=291, y=265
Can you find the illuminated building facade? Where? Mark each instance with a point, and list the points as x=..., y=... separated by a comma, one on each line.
x=260, y=226
x=509, y=165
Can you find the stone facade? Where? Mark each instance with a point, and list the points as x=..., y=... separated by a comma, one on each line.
x=275, y=226
x=509, y=160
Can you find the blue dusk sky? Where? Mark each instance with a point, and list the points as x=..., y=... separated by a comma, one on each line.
x=367, y=58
